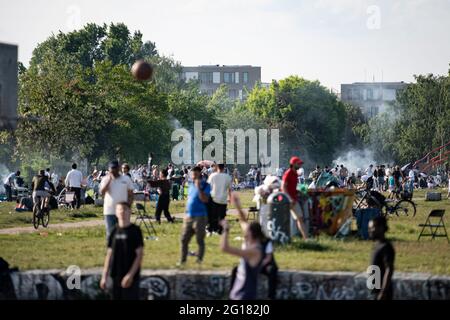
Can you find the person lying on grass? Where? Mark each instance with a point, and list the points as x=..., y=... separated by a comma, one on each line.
x=124, y=257
x=251, y=254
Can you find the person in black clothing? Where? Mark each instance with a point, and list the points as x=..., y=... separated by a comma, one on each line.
x=163, y=204
x=397, y=174
x=124, y=257
x=268, y=265
x=383, y=256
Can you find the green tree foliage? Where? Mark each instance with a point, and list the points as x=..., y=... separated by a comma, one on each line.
x=78, y=97
x=310, y=118
x=417, y=123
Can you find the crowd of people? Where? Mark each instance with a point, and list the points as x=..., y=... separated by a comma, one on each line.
x=209, y=191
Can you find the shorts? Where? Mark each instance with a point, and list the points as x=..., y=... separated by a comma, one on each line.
x=40, y=193
x=296, y=211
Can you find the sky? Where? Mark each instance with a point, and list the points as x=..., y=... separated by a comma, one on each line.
x=333, y=41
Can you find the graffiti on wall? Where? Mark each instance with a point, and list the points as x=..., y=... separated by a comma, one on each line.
x=292, y=285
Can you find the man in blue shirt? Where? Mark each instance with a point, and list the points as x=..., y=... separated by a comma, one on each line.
x=196, y=216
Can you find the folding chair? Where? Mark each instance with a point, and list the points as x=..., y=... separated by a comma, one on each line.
x=434, y=226
x=253, y=211
x=143, y=218
x=66, y=199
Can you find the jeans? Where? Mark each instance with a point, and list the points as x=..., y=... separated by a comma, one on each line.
x=77, y=201
x=110, y=223
x=163, y=206
x=191, y=226
x=131, y=293
x=8, y=191
x=216, y=213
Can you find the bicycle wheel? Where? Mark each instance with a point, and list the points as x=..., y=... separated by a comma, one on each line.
x=45, y=219
x=405, y=207
x=36, y=216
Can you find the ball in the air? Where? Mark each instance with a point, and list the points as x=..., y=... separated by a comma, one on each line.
x=142, y=70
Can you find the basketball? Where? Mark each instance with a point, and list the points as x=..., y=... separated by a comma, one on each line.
x=142, y=70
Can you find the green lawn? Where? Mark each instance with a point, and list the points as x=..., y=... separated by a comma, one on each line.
x=10, y=218
x=85, y=247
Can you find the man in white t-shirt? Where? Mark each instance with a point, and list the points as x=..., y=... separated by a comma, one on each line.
x=73, y=183
x=114, y=188
x=411, y=179
x=301, y=175
x=220, y=194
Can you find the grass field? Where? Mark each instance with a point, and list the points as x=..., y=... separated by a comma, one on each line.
x=85, y=247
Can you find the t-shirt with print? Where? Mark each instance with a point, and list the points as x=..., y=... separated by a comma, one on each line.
x=194, y=206
x=117, y=192
x=124, y=242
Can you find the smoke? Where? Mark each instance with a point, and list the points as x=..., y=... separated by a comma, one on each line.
x=354, y=159
x=3, y=174
x=175, y=123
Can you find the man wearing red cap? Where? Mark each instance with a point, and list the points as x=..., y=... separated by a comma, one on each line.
x=289, y=186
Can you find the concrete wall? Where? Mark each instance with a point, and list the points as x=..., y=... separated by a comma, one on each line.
x=54, y=284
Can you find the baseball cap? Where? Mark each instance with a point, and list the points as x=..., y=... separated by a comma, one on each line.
x=295, y=160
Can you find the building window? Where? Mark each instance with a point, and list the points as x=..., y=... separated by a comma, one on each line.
x=216, y=77
x=245, y=77
x=206, y=77
x=369, y=94
x=236, y=76
x=190, y=76
x=233, y=93
x=373, y=111
x=228, y=77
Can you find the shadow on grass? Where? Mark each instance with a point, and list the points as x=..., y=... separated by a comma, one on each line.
x=310, y=246
x=82, y=215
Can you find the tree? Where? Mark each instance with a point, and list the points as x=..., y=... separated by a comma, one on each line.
x=310, y=118
x=78, y=97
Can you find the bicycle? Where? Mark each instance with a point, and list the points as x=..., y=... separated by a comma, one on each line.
x=387, y=206
x=41, y=214
x=399, y=207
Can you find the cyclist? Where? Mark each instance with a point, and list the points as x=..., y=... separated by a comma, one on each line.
x=41, y=186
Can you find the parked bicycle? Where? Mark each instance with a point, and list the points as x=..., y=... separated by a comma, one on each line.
x=401, y=207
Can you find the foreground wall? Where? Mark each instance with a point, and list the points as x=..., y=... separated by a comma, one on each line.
x=55, y=284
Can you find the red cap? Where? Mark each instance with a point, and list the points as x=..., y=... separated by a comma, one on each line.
x=295, y=160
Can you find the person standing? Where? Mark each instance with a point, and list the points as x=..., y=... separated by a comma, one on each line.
x=301, y=175
x=10, y=183
x=343, y=174
x=126, y=170
x=220, y=183
x=163, y=203
x=369, y=174
x=124, y=257
x=114, y=188
x=196, y=216
x=383, y=256
x=289, y=186
x=269, y=266
x=251, y=253
x=73, y=184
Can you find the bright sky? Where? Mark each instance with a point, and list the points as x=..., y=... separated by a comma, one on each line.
x=334, y=41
